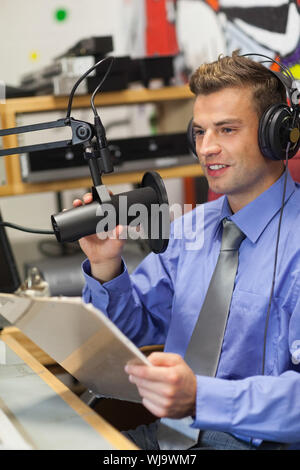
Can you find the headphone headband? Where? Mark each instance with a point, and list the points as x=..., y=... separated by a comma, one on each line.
x=285, y=76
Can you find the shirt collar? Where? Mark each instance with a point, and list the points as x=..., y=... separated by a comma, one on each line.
x=251, y=219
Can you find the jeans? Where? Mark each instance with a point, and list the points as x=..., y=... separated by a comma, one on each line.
x=144, y=437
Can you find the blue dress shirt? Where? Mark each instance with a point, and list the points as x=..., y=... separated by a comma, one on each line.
x=160, y=303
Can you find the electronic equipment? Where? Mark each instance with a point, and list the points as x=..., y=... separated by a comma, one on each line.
x=59, y=77
x=73, y=63
x=95, y=46
x=17, y=92
x=145, y=69
x=68, y=66
x=63, y=273
x=131, y=154
x=160, y=150
x=119, y=76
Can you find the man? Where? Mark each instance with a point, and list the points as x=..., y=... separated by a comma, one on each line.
x=254, y=396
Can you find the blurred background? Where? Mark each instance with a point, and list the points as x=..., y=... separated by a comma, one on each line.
x=184, y=33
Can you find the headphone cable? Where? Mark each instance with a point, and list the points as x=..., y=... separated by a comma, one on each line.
x=275, y=259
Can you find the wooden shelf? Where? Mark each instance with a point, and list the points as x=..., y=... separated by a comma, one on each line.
x=125, y=97
x=114, y=178
x=12, y=107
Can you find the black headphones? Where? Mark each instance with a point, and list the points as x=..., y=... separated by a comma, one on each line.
x=279, y=126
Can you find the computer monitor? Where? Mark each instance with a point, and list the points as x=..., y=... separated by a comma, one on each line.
x=9, y=276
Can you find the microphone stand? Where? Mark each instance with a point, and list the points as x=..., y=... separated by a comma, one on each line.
x=78, y=222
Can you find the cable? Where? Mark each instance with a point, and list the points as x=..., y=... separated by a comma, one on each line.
x=275, y=260
x=284, y=70
x=283, y=73
x=99, y=86
x=290, y=75
x=80, y=80
x=25, y=229
x=282, y=66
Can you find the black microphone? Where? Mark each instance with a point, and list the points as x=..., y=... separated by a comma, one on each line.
x=107, y=211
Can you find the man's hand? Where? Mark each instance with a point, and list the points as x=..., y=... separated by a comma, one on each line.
x=168, y=387
x=104, y=254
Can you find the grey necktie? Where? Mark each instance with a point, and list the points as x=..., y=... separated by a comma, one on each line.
x=205, y=345
x=203, y=351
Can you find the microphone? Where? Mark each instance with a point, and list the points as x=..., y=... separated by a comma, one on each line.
x=107, y=211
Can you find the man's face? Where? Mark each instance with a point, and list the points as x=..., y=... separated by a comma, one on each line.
x=226, y=130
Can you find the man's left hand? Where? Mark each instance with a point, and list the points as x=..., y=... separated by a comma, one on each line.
x=168, y=387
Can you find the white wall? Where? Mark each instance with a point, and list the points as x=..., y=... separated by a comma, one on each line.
x=28, y=26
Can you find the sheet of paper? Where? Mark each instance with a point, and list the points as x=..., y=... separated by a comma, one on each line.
x=80, y=338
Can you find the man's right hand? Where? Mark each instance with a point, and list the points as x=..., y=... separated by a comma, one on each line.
x=104, y=254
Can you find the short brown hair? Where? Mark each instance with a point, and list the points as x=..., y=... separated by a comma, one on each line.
x=238, y=71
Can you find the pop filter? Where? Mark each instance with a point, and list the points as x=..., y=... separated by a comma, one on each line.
x=159, y=215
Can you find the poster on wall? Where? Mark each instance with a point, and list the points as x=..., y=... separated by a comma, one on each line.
x=270, y=27
x=200, y=30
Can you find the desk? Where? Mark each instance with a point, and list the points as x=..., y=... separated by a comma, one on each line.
x=43, y=411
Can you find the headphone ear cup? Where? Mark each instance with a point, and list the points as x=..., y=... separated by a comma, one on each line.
x=191, y=138
x=274, y=132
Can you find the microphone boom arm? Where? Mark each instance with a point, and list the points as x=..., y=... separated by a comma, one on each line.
x=82, y=132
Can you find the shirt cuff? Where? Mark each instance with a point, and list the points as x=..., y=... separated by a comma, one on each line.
x=118, y=285
x=214, y=404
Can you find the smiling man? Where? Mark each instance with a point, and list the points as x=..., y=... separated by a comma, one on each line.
x=247, y=396
x=226, y=126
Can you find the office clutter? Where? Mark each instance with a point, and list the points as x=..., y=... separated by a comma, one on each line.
x=58, y=266
x=58, y=77
x=130, y=154
x=62, y=271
